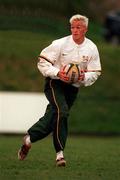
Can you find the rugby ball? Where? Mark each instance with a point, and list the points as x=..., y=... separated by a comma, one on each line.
x=72, y=71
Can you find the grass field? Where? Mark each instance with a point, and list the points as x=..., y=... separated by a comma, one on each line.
x=93, y=158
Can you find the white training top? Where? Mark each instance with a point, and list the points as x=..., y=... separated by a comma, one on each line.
x=65, y=50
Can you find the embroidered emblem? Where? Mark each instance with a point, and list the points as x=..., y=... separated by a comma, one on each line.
x=85, y=58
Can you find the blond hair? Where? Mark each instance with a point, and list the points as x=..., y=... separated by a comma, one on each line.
x=79, y=17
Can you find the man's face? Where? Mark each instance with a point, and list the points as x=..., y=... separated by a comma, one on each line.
x=78, y=29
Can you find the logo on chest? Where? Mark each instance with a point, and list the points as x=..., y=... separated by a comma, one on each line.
x=85, y=58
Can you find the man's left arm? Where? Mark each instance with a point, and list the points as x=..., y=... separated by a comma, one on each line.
x=93, y=69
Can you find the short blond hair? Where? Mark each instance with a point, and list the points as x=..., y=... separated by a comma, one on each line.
x=79, y=17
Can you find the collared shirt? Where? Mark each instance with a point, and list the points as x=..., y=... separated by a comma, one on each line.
x=64, y=51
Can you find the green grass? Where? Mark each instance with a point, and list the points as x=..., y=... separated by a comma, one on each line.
x=18, y=54
x=95, y=115
x=88, y=158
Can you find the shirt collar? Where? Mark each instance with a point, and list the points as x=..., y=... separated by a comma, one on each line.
x=75, y=44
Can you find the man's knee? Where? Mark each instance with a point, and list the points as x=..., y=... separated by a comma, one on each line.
x=64, y=112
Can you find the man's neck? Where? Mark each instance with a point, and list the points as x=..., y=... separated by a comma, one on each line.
x=79, y=41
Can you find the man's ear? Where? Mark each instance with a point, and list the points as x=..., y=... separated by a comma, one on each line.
x=86, y=29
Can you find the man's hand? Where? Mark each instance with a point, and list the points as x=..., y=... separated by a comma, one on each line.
x=82, y=76
x=63, y=77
